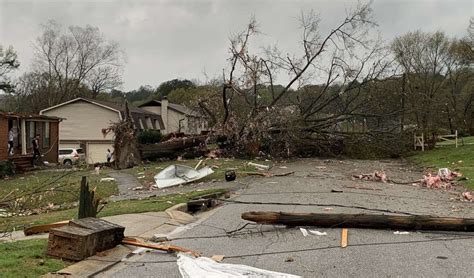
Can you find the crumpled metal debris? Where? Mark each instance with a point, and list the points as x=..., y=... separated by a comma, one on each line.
x=180, y=174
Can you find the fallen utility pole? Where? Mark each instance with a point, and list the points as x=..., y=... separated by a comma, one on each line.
x=368, y=221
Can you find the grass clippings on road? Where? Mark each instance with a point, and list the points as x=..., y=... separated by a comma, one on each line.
x=459, y=159
x=27, y=258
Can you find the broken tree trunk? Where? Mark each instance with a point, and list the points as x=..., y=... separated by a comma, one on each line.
x=171, y=147
x=88, y=203
x=368, y=221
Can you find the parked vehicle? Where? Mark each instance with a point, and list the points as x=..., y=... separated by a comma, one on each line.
x=70, y=156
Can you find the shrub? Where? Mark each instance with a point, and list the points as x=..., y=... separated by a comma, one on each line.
x=149, y=137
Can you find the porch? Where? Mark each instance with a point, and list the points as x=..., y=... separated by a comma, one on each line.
x=22, y=128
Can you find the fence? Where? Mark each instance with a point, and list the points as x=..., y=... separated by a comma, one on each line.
x=419, y=141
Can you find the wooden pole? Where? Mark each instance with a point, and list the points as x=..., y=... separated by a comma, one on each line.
x=369, y=221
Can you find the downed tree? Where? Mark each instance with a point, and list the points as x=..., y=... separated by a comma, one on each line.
x=171, y=146
x=369, y=221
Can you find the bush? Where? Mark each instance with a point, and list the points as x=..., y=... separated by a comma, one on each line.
x=6, y=169
x=149, y=137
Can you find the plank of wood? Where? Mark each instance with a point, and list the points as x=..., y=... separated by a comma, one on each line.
x=39, y=229
x=167, y=248
x=344, y=238
x=367, y=221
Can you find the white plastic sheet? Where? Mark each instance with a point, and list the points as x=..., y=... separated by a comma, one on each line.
x=203, y=267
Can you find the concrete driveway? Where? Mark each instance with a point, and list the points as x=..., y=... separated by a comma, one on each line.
x=370, y=253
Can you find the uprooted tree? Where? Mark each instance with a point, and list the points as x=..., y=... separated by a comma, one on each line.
x=348, y=61
x=126, y=153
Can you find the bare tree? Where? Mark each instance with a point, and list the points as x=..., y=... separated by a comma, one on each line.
x=75, y=57
x=8, y=63
x=349, y=56
x=424, y=58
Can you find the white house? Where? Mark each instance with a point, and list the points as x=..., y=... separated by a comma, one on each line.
x=84, y=120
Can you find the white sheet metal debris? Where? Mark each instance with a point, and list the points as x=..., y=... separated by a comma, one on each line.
x=259, y=166
x=180, y=174
x=203, y=267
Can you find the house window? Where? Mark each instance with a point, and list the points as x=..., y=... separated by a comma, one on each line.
x=46, y=134
x=30, y=130
x=157, y=125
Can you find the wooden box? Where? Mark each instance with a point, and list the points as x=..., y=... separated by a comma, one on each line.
x=83, y=238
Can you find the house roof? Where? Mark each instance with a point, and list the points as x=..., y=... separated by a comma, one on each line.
x=136, y=113
x=26, y=116
x=174, y=106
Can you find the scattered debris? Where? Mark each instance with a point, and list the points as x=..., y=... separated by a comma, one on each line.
x=401, y=233
x=268, y=174
x=375, y=176
x=39, y=229
x=230, y=175
x=180, y=174
x=141, y=177
x=137, y=188
x=218, y=258
x=442, y=257
x=167, y=248
x=107, y=179
x=159, y=238
x=367, y=221
x=468, y=196
x=443, y=179
x=363, y=188
x=344, y=238
x=283, y=167
x=317, y=233
x=289, y=260
x=206, y=267
x=306, y=232
x=259, y=166
x=327, y=209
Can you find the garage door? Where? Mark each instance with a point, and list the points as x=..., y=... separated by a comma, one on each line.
x=96, y=152
x=69, y=145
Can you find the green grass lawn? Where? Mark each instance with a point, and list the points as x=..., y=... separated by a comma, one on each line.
x=160, y=203
x=27, y=258
x=459, y=159
x=146, y=172
x=38, y=189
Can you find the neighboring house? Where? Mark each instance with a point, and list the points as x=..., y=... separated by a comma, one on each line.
x=176, y=117
x=25, y=127
x=84, y=122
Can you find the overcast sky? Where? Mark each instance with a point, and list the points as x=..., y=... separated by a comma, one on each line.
x=164, y=40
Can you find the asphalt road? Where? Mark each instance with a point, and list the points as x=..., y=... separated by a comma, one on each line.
x=370, y=253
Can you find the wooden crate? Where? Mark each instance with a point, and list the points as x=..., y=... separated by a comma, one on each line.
x=71, y=243
x=83, y=238
x=109, y=234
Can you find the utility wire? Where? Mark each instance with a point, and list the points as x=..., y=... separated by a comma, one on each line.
x=316, y=205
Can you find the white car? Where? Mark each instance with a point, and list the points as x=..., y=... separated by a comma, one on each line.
x=70, y=156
